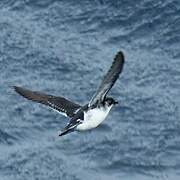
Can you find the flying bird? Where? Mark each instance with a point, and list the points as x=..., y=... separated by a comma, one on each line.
x=84, y=117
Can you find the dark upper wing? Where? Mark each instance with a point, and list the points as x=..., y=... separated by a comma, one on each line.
x=60, y=104
x=109, y=79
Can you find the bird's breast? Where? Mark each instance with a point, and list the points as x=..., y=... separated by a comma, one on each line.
x=92, y=118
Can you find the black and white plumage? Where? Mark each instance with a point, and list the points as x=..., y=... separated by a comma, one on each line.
x=60, y=104
x=82, y=117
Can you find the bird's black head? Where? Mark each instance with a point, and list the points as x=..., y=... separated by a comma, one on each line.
x=110, y=101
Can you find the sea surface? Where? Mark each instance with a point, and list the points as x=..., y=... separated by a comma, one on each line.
x=64, y=48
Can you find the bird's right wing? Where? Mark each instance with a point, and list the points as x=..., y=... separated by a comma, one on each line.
x=109, y=79
x=60, y=104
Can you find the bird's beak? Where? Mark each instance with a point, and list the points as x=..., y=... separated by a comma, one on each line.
x=115, y=102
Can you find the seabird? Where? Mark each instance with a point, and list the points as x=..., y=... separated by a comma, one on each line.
x=82, y=117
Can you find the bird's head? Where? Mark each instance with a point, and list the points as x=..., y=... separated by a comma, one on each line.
x=110, y=101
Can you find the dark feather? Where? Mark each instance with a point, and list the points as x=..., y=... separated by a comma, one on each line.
x=58, y=103
x=109, y=79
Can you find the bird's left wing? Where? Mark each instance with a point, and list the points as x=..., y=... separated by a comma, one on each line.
x=109, y=79
x=60, y=104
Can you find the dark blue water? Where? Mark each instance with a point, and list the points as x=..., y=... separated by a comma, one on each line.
x=64, y=48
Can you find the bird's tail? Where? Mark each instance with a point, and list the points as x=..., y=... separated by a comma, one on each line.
x=65, y=131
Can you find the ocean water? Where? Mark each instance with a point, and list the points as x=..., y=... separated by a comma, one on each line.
x=64, y=48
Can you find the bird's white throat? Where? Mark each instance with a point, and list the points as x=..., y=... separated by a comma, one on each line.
x=93, y=118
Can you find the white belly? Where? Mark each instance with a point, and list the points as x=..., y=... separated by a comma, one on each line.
x=93, y=118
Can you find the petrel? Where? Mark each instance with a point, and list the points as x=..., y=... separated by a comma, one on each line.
x=82, y=117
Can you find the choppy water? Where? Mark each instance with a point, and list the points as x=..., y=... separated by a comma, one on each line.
x=64, y=48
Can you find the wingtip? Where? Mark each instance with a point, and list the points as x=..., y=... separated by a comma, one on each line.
x=119, y=56
x=16, y=88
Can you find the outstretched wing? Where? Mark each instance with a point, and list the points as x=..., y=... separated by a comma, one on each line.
x=109, y=79
x=60, y=104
